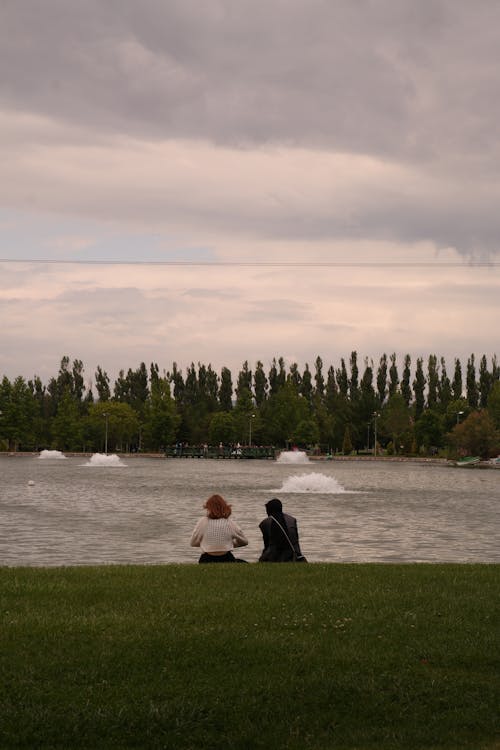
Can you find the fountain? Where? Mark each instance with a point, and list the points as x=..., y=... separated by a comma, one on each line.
x=51, y=454
x=105, y=459
x=292, y=457
x=312, y=484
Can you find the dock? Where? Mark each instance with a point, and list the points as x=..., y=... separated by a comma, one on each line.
x=224, y=452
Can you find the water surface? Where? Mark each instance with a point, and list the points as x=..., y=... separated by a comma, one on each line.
x=76, y=513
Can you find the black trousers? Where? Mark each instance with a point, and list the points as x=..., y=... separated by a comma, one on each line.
x=227, y=558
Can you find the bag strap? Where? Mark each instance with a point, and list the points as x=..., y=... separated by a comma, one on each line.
x=284, y=532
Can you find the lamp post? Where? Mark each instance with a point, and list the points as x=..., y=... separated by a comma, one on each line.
x=459, y=414
x=106, y=415
x=252, y=416
x=375, y=416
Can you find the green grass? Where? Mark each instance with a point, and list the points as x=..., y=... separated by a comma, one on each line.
x=304, y=657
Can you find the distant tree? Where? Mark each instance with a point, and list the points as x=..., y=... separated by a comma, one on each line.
x=260, y=384
x=429, y=430
x=472, y=389
x=445, y=393
x=477, y=435
x=485, y=382
x=405, y=380
x=306, y=433
x=306, y=387
x=294, y=376
x=419, y=388
x=342, y=379
x=457, y=384
x=382, y=379
x=222, y=428
x=393, y=376
x=354, y=380
x=432, y=381
x=67, y=425
x=226, y=390
x=347, y=443
x=395, y=419
x=101, y=379
x=122, y=423
x=494, y=404
x=319, y=380
x=161, y=419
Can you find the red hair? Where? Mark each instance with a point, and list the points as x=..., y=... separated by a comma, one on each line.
x=217, y=507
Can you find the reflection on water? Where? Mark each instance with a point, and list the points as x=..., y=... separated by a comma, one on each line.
x=347, y=511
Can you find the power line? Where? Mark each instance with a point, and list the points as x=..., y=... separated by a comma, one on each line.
x=259, y=264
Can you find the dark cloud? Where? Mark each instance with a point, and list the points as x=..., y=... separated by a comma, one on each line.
x=388, y=77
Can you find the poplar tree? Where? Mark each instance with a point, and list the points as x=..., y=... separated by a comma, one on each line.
x=485, y=382
x=382, y=379
x=226, y=390
x=393, y=376
x=445, y=394
x=432, y=381
x=419, y=388
x=405, y=380
x=457, y=383
x=471, y=384
x=260, y=384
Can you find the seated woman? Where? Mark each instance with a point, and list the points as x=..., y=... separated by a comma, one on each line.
x=217, y=534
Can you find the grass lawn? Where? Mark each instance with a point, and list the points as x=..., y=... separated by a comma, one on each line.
x=304, y=657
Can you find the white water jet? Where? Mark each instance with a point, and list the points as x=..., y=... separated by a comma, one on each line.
x=292, y=457
x=312, y=484
x=51, y=454
x=105, y=459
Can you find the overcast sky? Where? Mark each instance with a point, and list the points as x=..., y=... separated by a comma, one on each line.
x=359, y=133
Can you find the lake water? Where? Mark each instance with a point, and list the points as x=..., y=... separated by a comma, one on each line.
x=68, y=511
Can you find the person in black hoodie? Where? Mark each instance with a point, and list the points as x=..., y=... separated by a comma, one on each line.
x=280, y=535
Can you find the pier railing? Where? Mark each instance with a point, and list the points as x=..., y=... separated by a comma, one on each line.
x=221, y=452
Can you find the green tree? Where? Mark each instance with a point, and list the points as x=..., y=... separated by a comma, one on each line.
x=67, y=425
x=419, y=388
x=485, y=382
x=226, y=390
x=161, y=418
x=319, y=380
x=122, y=423
x=395, y=419
x=222, y=428
x=382, y=379
x=432, y=381
x=471, y=383
x=393, y=376
x=347, y=443
x=494, y=404
x=306, y=433
x=429, y=430
x=260, y=384
x=101, y=379
x=445, y=393
x=457, y=383
x=405, y=380
x=477, y=435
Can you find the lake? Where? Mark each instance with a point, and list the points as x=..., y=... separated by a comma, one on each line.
x=71, y=511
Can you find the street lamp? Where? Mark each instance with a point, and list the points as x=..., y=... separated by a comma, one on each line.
x=106, y=415
x=375, y=416
x=252, y=416
x=459, y=414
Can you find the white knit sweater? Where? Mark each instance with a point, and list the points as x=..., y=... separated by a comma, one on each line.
x=217, y=535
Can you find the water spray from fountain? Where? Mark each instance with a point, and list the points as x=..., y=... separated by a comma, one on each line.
x=292, y=457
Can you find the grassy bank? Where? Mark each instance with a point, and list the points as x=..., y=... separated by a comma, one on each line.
x=247, y=656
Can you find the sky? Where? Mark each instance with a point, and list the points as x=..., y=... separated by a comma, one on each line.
x=234, y=181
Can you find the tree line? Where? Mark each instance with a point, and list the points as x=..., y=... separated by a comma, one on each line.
x=411, y=408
